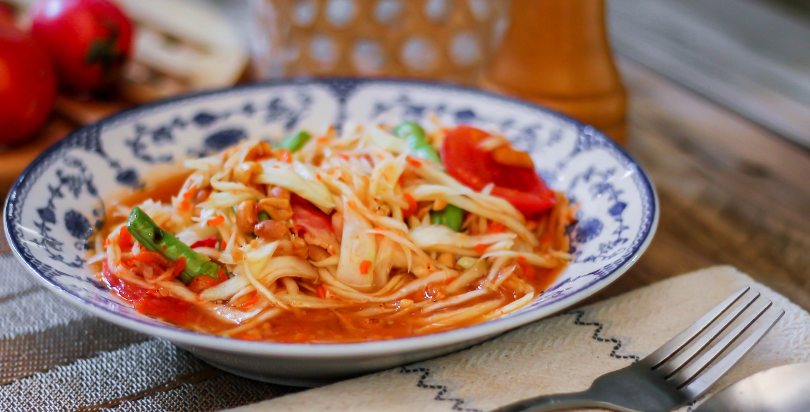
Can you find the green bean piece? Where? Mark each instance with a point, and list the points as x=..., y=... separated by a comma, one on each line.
x=451, y=216
x=294, y=142
x=152, y=237
x=418, y=145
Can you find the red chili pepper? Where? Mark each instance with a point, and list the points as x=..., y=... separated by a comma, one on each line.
x=414, y=162
x=495, y=227
x=215, y=221
x=190, y=193
x=321, y=291
x=365, y=266
x=183, y=206
x=528, y=270
x=201, y=283
x=285, y=156
x=476, y=168
x=298, y=229
x=481, y=248
x=178, y=267
x=411, y=205
x=150, y=258
x=248, y=301
x=125, y=239
x=222, y=275
x=208, y=242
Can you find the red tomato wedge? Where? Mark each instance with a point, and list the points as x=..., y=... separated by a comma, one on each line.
x=170, y=309
x=476, y=168
x=126, y=291
x=207, y=242
x=313, y=224
x=308, y=216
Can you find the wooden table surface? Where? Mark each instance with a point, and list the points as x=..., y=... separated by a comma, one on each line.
x=730, y=191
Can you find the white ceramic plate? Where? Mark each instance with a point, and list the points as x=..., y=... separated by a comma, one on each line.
x=57, y=202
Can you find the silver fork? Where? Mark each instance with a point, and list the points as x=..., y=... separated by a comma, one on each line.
x=682, y=369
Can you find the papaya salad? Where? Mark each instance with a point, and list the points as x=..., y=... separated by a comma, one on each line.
x=371, y=232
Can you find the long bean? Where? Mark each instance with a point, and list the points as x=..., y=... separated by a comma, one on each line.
x=418, y=145
x=451, y=216
x=294, y=142
x=152, y=237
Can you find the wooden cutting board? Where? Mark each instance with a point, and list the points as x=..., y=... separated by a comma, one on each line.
x=69, y=114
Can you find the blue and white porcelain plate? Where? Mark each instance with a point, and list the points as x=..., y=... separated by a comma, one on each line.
x=58, y=201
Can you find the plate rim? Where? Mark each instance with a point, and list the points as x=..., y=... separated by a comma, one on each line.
x=334, y=350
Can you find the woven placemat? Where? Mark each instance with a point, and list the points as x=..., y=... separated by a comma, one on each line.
x=56, y=357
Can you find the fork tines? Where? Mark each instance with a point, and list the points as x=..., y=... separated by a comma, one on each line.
x=695, y=358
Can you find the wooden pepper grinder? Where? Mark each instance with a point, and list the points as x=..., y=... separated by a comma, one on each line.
x=556, y=53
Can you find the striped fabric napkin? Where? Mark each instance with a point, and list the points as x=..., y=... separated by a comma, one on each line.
x=561, y=354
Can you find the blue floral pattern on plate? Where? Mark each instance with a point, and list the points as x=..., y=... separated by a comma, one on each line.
x=59, y=199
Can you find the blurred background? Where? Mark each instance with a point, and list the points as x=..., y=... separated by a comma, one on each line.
x=750, y=56
x=712, y=97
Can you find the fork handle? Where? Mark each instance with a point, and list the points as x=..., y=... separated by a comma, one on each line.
x=557, y=402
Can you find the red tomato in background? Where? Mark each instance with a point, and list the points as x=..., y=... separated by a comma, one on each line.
x=27, y=85
x=89, y=40
x=6, y=14
x=476, y=168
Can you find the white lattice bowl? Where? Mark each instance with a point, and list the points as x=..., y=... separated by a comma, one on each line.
x=57, y=202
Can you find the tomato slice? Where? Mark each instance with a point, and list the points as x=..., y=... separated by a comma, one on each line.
x=313, y=224
x=308, y=216
x=476, y=168
x=207, y=242
x=201, y=283
x=170, y=309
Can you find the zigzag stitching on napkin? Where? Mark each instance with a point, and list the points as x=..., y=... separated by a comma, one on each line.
x=597, y=336
x=458, y=404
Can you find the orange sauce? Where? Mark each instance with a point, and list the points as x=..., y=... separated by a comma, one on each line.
x=341, y=325
x=304, y=325
x=160, y=190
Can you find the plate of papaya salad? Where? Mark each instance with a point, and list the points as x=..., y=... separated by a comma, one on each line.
x=309, y=230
